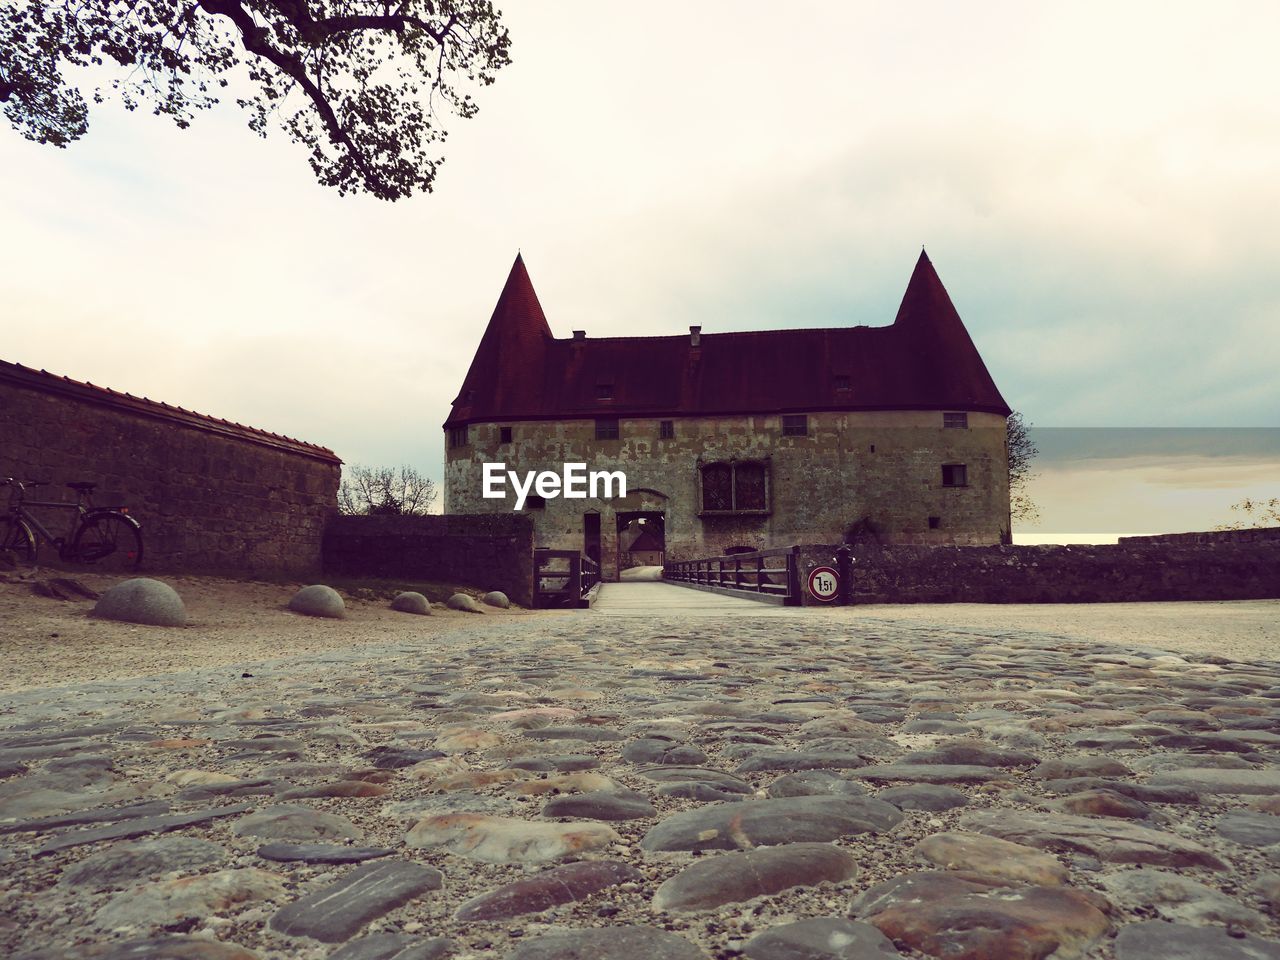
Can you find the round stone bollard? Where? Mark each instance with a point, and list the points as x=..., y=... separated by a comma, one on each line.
x=464, y=602
x=496, y=598
x=318, y=600
x=411, y=602
x=142, y=600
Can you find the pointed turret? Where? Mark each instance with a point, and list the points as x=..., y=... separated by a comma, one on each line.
x=508, y=364
x=944, y=362
x=926, y=300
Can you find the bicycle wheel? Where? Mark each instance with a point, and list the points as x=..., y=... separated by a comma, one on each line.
x=111, y=542
x=17, y=538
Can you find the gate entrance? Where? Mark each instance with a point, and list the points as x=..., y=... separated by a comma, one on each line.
x=641, y=539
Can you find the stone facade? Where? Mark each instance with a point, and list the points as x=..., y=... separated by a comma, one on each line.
x=211, y=496
x=883, y=466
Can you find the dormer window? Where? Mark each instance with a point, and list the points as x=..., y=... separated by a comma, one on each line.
x=604, y=391
x=469, y=397
x=841, y=382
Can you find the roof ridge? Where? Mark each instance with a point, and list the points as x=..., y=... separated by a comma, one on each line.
x=147, y=401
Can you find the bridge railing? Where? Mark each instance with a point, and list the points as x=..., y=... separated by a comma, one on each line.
x=563, y=578
x=769, y=575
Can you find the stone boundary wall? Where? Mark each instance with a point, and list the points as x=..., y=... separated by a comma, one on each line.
x=1057, y=574
x=488, y=551
x=212, y=496
x=1249, y=535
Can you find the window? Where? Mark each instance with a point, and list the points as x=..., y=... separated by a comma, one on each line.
x=604, y=391
x=795, y=425
x=666, y=430
x=841, y=381
x=717, y=487
x=935, y=523
x=457, y=436
x=504, y=434
x=534, y=502
x=735, y=487
x=954, y=475
x=469, y=397
x=955, y=421
x=749, y=487
x=606, y=429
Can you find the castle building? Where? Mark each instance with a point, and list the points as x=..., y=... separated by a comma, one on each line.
x=738, y=441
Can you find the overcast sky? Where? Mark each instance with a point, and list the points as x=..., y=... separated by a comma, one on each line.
x=1095, y=183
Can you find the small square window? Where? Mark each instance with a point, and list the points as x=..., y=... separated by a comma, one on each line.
x=604, y=391
x=666, y=430
x=954, y=475
x=841, y=381
x=606, y=429
x=469, y=397
x=955, y=421
x=457, y=436
x=796, y=425
x=504, y=434
x=534, y=502
x=935, y=523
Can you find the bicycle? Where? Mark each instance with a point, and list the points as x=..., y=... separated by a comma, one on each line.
x=109, y=539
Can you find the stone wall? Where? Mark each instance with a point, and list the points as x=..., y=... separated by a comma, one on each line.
x=211, y=496
x=1248, y=535
x=490, y=552
x=1058, y=574
x=885, y=465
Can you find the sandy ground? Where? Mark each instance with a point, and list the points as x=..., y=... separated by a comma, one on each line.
x=46, y=642
x=1239, y=629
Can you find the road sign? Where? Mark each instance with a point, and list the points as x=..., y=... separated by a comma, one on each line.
x=824, y=584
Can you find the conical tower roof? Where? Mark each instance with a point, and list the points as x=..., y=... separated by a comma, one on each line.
x=941, y=356
x=507, y=370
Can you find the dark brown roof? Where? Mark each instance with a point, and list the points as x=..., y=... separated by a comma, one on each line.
x=46, y=382
x=924, y=360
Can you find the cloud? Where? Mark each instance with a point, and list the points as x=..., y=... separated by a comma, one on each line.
x=1100, y=213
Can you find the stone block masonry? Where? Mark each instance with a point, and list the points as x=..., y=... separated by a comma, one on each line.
x=489, y=551
x=1240, y=569
x=212, y=496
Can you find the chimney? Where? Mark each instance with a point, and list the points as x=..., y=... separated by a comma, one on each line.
x=695, y=336
x=579, y=334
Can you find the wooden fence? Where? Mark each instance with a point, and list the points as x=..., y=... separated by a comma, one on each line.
x=769, y=575
x=563, y=578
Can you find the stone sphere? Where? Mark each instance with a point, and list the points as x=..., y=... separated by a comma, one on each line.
x=411, y=602
x=464, y=602
x=496, y=598
x=318, y=600
x=142, y=600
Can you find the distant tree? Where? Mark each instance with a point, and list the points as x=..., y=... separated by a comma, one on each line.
x=1021, y=452
x=381, y=491
x=356, y=82
x=1257, y=513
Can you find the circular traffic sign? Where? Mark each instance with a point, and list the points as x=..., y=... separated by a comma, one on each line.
x=824, y=583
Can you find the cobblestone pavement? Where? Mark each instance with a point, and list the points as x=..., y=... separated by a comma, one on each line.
x=590, y=787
